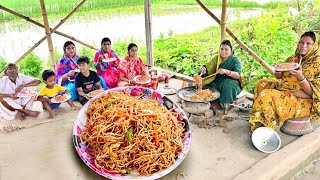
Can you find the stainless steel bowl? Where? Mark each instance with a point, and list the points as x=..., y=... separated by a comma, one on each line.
x=245, y=107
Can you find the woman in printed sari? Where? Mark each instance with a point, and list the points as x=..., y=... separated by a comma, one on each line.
x=131, y=66
x=293, y=95
x=228, y=68
x=67, y=69
x=106, y=62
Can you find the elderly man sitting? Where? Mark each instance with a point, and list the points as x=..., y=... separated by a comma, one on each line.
x=11, y=84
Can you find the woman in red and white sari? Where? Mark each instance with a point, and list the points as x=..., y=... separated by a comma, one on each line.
x=132, y=66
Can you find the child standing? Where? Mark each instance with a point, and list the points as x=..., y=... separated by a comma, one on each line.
x=51, y=90
x=86, y=81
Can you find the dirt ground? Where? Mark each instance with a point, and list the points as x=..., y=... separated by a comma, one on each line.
x=46, y=152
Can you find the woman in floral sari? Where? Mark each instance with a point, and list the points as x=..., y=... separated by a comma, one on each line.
x=228, y=68
x=66, y=70
x=293, y=94
x=131, y=66
x=107, y=70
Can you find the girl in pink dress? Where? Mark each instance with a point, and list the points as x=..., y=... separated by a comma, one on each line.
x=106, y=62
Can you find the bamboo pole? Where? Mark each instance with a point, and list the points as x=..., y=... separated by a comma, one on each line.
x=67, y=17
x=223, y=19
x=242, y=45
x=41, y=25
x=148, y=25
x=48, y=34
x=53, y=30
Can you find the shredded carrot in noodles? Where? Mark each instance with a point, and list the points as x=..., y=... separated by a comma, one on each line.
x=128, y=133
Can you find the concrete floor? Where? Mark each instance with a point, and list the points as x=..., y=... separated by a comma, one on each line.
x=46, y=151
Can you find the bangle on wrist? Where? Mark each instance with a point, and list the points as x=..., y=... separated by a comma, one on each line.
x=230, y=73
x=303, y=79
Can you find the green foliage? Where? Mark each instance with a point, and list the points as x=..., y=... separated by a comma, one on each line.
x=184, y=53
x=307, y=20
x=31, y=65
x=271, y=37
x=57, y=57
x=84, y=51
x=3, y=63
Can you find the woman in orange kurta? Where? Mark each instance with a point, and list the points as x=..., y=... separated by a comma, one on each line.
x=293, y=94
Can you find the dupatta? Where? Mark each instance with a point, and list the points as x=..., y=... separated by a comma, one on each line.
x=65, y=65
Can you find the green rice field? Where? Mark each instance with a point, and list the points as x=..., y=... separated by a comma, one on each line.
x=31, y=8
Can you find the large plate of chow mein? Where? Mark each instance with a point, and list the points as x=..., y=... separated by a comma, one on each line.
x=193, y=94
x=131, y=133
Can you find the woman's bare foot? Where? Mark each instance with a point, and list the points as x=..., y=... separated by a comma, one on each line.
x=21, y=116
x=51, y=116
x=34, y=113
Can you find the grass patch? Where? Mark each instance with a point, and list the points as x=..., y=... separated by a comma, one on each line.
x=58, y=8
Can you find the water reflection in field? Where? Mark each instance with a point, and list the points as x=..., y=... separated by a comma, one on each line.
x=18, y=37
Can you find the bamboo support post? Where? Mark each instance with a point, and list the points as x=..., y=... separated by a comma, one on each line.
x=148, y=25
x=41, y=25
x=48, y=34
x=242, y=45
x=223, y=19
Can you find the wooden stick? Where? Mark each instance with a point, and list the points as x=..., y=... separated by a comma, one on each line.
x=67, y=17
x=48, y=34
x=242, y=45
x=223, y=19
x=211, y=75
x=41, y=25
x=148, y=25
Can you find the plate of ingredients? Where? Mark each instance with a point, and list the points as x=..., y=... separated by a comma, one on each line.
x=95, y=92
x=61, y=98
x=140, y=137
x=287, y=66
x=139, y=79
x=109, y=59
x=27, y=93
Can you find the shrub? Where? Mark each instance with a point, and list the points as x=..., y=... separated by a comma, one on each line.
x=3, y=63
x=57, y=57
x=31, y=65
x=85, y=51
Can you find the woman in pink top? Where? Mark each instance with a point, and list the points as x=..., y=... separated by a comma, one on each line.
x=106, y=62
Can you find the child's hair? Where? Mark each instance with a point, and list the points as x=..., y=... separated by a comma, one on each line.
x=83, y=59
x=47, y=73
